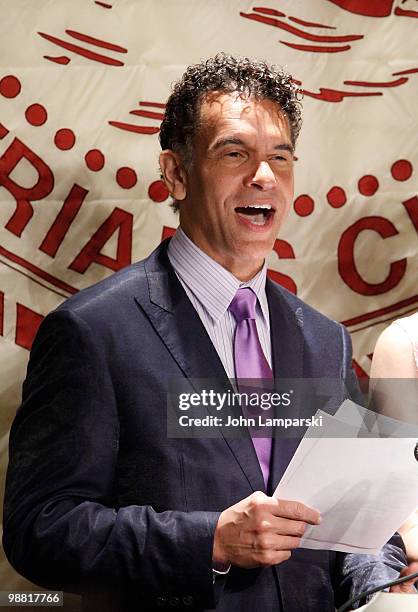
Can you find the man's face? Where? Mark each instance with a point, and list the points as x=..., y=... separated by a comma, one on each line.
x=240, y=187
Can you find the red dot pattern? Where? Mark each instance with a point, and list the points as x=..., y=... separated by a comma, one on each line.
x=303, y=205
x=368, y=185
x=401, y=170
x=36, y=114
x=95, y=160
x=126, y=178
x=336, y=197
x=64, y=139
x=158, y=191
x=10, y=86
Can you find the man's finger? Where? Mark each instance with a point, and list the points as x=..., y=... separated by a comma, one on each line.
x=296, y=511
x=283, y=526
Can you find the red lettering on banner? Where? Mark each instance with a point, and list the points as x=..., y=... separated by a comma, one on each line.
x=285, y=251
x=13, y=155
x=362, y=377
x=411, y=206
x=167, y=232
x=90, y=253
x=1, y=313
x=347, y=265
x=360, y=373
x=58, y=230
x=27, y=324
x=3, y=131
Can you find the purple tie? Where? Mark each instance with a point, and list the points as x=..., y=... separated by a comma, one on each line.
x=250, y=361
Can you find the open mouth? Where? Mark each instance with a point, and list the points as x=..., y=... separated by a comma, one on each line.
x=257, y=214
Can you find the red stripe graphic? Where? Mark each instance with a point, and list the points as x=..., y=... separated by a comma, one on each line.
x=155, y=104
x=268, y=11
x=334, y=95
x=306, y=35
x=410, y=71
x=138, y=129
x=402, y=13
x=311, y=24
x=147, y=114
x=384, y=84
x=103, y=4
x=37, y=271
x=315, y=49
x=96, y=57
x=34, y=280
x=381, y=311
x=62, y=59
x=380, y=321
x=96, y=41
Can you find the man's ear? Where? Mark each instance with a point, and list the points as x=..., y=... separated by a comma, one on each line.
x=174, y=174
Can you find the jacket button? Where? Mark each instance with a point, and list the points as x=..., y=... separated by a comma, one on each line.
x=174, y=601
x=161, y=601
x=188, y=600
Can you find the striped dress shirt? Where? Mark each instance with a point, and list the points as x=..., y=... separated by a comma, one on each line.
x=211, y=288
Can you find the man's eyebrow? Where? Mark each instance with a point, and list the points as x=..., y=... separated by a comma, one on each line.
x=224, y=142
x=285, y=147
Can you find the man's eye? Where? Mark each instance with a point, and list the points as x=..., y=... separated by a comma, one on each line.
x=234, y=154
x=285, y=158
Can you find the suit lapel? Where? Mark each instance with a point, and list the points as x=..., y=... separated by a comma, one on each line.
x=287, y=341
x=180, y=328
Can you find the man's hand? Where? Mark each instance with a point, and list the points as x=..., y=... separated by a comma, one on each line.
x=260, y=531
x=406, y=587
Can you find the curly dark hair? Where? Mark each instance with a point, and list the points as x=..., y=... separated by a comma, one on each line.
x=227, y=74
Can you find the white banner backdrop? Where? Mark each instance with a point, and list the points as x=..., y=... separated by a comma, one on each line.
x=82, y=91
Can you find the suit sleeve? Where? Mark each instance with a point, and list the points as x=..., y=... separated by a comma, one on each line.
x=62, y=527
x=358, y=573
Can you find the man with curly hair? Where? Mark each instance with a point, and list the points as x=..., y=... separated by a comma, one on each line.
x=99, y=499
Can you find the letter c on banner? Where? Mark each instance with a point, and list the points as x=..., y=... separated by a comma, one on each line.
x=347, y=265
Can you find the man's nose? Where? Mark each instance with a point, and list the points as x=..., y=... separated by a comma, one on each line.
x=263, y=176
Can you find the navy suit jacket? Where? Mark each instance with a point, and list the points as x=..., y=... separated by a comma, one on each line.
x=101, y=502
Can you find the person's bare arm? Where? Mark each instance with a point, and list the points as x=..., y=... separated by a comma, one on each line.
x=393, y=355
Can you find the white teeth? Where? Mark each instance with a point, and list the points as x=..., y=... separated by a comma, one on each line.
x=263, y=206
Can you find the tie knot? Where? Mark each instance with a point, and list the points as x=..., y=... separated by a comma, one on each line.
x=243, y=304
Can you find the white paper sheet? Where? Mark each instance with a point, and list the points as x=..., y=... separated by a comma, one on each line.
x=364, y=488
x=392, y=602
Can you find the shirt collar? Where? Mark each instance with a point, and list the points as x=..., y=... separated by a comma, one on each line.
x=211, y=283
